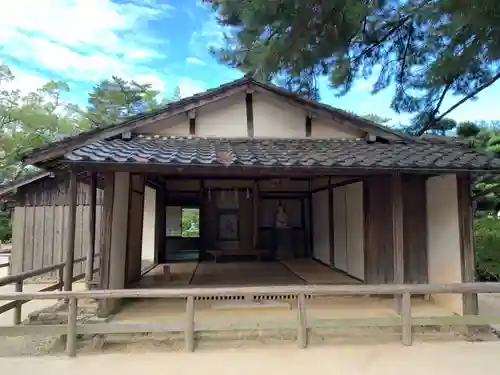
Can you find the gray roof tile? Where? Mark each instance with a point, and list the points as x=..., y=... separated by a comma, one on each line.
x=305, y=152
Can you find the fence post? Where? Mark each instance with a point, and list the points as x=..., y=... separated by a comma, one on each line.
x=406, y=331
x=71, y=339
x=19, y=305
x=189, y=327
x=301, y=321
x=61, y=278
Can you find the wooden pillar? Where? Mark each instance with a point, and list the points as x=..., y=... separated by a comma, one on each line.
x=89, y=268
x=105, y=239
x=331, y=238
x=70, y=244
x=255, y=197
x=160, y=225
x=249, y=112
x=397, y=231
x=467, y=254
x=134, y=230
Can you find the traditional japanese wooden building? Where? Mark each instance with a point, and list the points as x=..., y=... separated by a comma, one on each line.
x=276, y=179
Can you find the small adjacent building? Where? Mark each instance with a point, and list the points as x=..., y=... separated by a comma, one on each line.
x=274, y=178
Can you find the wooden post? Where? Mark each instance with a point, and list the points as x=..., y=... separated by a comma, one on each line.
x=106, y=305
x=406, y=332
x=189, y=328
x=70, y=245
x=467, y=253
x=60, y=277
x=71, y=339
x=397, y=233
x=18, y=308
x=255, y=199
x=160, y=224
x=301, y=321
x=331, y=238
x=89, y=266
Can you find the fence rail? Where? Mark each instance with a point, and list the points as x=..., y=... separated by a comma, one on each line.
x=302, y=325
x=18, y=280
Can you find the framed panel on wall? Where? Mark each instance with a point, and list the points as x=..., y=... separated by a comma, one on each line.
x=228, y=225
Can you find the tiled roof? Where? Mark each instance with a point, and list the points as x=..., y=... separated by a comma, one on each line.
x=308, y=152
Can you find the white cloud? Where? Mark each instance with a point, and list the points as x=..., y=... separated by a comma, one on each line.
x=25, y=81
x=83, y=40
x=211, y=34
x=195, y=60
x=190, y=87
x=156, y=83
x=365, y=85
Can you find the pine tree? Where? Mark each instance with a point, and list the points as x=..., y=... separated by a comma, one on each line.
x=424, y=50
x=117, y=98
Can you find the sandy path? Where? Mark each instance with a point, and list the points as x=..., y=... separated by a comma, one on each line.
x=431, y=358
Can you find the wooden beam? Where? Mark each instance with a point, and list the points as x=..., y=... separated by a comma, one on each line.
x=192, y=122
x=468, y=262
x=89, y=266
x=397, y=231
x=308, y=126
x=70, y=243
x=249, y=111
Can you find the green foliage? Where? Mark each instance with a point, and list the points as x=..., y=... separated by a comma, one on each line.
x=190, y=222
x=424, y=50
x=31, y=120
x=5, y=226
x=117, y=98
x=468, y=129
x=28, y=121
x=487, y=243
x=442, y=126
x=376, y=118
x=494, y=144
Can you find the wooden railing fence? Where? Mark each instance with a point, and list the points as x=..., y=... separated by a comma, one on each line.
x=20, y=278
x=302, y=325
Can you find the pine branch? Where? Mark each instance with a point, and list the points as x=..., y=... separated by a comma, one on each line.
x=482, y=193
x=458, y=104
x=383, y=39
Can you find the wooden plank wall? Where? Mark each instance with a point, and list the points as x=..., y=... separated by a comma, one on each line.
x=53, y=192
x=378, y=230
x=415, y=229
x=39, y=234
x=379, y=261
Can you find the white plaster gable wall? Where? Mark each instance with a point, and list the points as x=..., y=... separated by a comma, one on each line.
x=177, y=125
x=275, y=118
x=443, y=238
x=224, y=118
x=327, y=128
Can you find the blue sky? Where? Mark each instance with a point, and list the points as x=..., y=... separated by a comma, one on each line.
x=163, y=42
